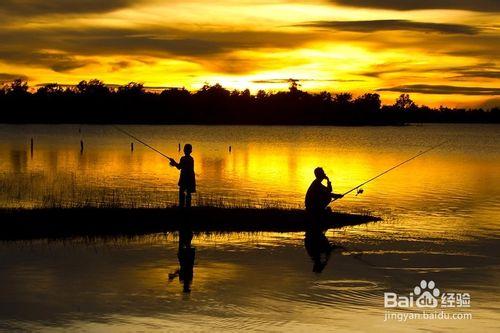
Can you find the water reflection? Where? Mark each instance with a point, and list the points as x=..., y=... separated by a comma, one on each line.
x=243, y=281
x=441, y=221
x=318, y=248
x=19, y=161
x=186, y=255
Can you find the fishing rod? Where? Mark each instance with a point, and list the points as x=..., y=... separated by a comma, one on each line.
x=139, y=140
x=392, y=168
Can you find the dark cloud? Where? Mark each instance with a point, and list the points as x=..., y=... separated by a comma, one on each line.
x=474, y=42
x=26, y=45
x=388, y=25
x=483, y=46
x=25, y=8
x=145, y=45
x=472, y=5
x=379, y=73
x=9, y=77
x=280, y=81
x=480, y=70
x=484, y=74
x=56, y=61
x=148, y=41
x=59, y=62
x=443, y=90
x=118, y=65
x=72, y=48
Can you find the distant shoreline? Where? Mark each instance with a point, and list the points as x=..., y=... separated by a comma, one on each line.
x=225, y=124
x=251, y=124
x=95, y=103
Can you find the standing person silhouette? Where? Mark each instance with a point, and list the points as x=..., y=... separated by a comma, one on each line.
x=187, y=181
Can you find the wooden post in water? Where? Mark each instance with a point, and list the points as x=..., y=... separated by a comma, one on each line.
x=132, y=147
x=230, y=149
x=179, y=149
x=31, y=148
x=81, y=146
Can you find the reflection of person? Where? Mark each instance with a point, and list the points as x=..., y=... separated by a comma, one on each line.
x=187, y=181
x=318, y=248
x=186, y=256
x=319, y=196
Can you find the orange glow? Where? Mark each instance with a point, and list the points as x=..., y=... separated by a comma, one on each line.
x=241, y=45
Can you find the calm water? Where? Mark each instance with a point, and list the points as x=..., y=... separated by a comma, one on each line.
x=441, y=221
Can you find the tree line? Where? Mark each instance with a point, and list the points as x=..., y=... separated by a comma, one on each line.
x=95, y=102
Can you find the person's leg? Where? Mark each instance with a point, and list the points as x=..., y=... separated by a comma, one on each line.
x=188, y=199
x=182, y=198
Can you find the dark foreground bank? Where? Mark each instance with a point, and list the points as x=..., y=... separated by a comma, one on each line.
x=53, y=223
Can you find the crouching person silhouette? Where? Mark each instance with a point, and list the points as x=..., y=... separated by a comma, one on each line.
x=187, y=181
x=319, y=196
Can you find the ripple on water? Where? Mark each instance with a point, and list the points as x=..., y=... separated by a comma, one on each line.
x=341, y=294
x=347, y=294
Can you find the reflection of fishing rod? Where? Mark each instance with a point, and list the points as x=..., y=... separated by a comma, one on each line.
x=139, y=140
x=388, y=170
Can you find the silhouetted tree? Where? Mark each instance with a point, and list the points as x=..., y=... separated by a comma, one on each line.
x=325, y=96
x=18, y=88
x=261, y=95
x=294, y=86
x=50, y=89
x=342, y=98
x=368, y=103
x=92, y=88
x=342, y=103
x=3, y=90
x=404, y=103
x=131, y=89
x=94, y=102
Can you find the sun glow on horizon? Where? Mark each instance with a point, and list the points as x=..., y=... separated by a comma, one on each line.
x=258, y=45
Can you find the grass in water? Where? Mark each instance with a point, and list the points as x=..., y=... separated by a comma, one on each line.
x=35, y=207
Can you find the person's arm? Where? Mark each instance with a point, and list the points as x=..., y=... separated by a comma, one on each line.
x=337, y=196
x=175, y=164
x=328, y=185
x=330, y=190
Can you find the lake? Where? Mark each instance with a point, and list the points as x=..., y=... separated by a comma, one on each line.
x=440, y=222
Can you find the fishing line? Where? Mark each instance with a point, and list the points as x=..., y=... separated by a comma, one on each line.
x=392, y=168
x=140, y=141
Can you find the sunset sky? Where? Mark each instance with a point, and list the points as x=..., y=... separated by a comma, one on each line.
x=439, y=51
